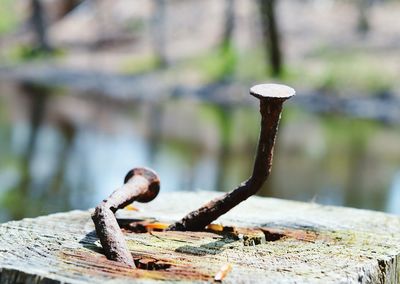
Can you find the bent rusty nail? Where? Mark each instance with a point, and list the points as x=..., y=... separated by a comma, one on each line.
x=140, y=184
x=271, y=98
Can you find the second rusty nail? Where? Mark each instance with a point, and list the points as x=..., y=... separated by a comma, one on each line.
x=142, y=185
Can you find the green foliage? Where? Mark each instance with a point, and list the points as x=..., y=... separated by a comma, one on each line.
x=344, y=130
x=135, y=25
x=228, y=60
x=180, y=148
x=235, y=125
x=325, y=69
x=27, y=53
x=294, y=114
x=139, y=65
x=221, y=117
x=351, y=70
x=251, y=66
x=8, y=20
x=14, y=202
x=216, y=65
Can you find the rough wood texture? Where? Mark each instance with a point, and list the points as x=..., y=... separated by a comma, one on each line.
x=288, y=242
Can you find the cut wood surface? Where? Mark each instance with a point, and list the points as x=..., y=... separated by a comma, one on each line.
x=272, y=241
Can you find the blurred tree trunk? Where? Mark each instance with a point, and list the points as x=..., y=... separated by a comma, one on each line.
x=227, y=36
x=39, y=25
x=363, y=25
x=159, y=30
x=271, y=35
x=227, y=43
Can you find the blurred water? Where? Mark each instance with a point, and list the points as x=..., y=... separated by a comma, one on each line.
x=60, y=151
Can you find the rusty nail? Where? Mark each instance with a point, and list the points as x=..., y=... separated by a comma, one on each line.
x=142, y=185
x=271, y=98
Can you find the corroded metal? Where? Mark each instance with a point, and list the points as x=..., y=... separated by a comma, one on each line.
x=271, y=98
x=141, y=185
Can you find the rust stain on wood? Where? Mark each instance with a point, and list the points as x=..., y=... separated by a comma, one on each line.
x=147, y=267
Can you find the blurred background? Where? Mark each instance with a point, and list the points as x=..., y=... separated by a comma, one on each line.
x=91, y=88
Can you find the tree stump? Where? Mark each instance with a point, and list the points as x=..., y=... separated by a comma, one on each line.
x=263, y=240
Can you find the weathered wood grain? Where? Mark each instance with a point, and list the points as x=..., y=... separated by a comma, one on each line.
x=298, y=243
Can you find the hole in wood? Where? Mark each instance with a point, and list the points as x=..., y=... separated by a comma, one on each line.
x=151, y=264
x=271, y=236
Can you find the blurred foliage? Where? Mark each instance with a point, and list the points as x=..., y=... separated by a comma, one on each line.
x=220, y=117
x=235, y=125
x=135, y=25
x=337, y=128
x=352, y=69
x=327, y=70
x=343, y=130
x=181, y=148
x=27, y=53
x=216, y=65
x=251, y=65
x=5, y=131
x=137, y=65
x=16, y=203
x=8, y=20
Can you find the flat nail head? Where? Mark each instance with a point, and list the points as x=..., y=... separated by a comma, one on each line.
x=154, y=183
x=272, y=91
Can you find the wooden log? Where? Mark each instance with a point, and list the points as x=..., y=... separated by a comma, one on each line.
x=272, y=240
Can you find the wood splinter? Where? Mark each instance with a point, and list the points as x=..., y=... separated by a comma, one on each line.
x=271, y=98
x=140, y=184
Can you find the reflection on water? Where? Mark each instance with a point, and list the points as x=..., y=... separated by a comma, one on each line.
x=60, y=151
x=394, y=195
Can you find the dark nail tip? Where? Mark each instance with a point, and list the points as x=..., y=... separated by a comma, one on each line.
x=272, y=91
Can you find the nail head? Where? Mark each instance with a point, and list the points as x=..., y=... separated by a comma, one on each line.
x=272, y=91
x=151, y=176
